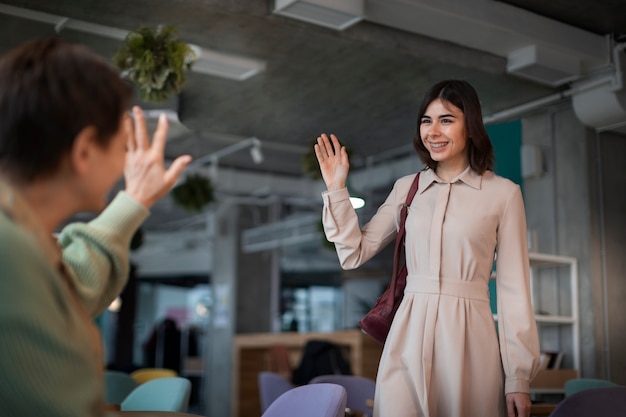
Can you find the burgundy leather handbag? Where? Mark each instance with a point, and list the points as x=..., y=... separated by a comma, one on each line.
x=377, y=321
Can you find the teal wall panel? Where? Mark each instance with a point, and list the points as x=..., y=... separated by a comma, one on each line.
x=507, y=141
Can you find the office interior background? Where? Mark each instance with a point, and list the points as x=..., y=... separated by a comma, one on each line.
x=273, y=75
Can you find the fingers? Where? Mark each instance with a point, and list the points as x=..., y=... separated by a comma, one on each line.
x=175, y=169
x=128, y=128
x=160, y=135
x=327, y=146
x=141, y=132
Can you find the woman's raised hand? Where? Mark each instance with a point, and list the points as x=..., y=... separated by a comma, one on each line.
x=333, y=160
x=147, y=180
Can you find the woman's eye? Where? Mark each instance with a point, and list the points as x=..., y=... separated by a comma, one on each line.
x=424, y=121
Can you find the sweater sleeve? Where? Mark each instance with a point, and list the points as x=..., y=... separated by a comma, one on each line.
x=96, y=254
x=356, y=245
x=519, y=341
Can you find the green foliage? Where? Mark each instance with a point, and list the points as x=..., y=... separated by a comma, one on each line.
x=194, y=193
x=155, y=60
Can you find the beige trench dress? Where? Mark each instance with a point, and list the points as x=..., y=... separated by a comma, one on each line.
x=443, y=356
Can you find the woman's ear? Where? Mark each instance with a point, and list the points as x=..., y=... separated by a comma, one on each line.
x=82, y=150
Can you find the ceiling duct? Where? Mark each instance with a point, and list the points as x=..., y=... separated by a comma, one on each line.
x=544, y=66
x=603, y=106
x=334, y=14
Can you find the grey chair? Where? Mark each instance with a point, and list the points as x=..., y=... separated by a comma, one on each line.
x=312, y=400
x=272, y=386
x=596, y=402
x=360, y=390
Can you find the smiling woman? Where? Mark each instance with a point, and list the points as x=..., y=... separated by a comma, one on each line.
x=443, y=356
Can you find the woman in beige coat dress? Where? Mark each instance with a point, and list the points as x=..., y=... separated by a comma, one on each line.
x=444, y=355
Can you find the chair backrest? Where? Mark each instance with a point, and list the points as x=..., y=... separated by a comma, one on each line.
x=147, y=374
x=117, y=386
x=313, y=400
x=360, y=390
x=161, y=394
x=596, y=402
x=272, y=386
x=573, y=386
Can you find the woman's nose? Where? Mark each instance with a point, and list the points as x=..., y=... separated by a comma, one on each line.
x=434, y=129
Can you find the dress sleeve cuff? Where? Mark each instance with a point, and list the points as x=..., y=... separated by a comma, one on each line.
x=335, y=196
x=516, y=385
x=124, y=213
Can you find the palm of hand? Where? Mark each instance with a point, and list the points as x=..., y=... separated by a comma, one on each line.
x=333, y=161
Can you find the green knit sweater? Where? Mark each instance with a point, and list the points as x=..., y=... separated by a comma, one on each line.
x=50, y=351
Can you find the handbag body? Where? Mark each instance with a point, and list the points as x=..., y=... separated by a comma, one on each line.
x=377, y=321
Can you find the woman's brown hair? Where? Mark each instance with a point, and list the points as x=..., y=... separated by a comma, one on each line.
x=463, y=96
x=49, y=91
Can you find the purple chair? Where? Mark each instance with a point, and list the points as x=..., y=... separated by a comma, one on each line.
x=596, y=402
x=313, y=400
x=272, y=386
x=360, y=390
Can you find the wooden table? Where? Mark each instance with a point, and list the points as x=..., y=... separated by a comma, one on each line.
x=541, y=409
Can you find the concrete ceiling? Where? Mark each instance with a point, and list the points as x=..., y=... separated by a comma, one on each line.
x=363, y=83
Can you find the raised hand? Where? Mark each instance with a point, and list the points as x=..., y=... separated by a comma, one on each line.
x=333, y=160
x=147, y=180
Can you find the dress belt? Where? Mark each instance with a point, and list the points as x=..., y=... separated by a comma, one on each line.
x=476, y=290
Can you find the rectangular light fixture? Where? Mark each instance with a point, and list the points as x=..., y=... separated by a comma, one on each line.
x=334, y=14
x=225, y=65
x=214, y=63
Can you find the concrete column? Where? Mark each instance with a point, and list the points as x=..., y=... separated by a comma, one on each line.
x=558, y=215
x=244, y=298
x=576, y=208
x=218, y=355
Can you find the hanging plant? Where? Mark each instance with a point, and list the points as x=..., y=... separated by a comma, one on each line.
x=194, y=193
x=310, y=166
x=155, y=60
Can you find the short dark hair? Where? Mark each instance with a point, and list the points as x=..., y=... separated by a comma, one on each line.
x=49, y=91
x=463, y=96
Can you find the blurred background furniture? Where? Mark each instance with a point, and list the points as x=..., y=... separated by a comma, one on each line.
x=314, y=400
x=147, y=374
x=253, y=354
x=272, y=386
x=161, y=394
x=360, y=391
x=596, y=402
x=117, y=386
x=573, y=386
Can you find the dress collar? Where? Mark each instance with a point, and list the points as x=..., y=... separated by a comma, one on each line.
x=468, y=176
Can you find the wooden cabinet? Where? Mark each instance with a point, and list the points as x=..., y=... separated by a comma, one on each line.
x=253, y=354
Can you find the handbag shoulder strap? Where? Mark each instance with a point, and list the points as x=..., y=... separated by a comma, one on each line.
x=413, y=189
x=397, y=253
x=405, y=206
